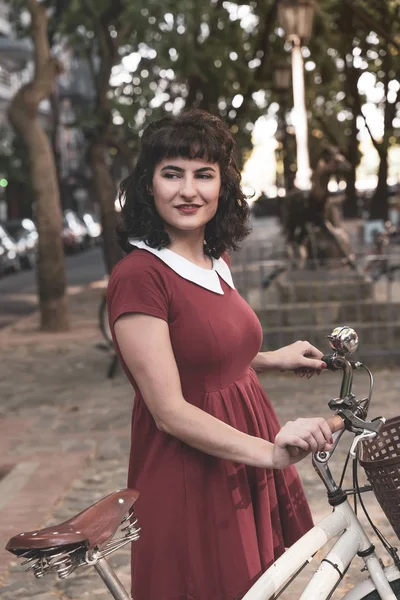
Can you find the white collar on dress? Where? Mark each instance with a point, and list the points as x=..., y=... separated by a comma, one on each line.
x=206, y=278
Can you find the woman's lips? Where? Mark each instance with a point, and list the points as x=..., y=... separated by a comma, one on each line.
x=188, y=209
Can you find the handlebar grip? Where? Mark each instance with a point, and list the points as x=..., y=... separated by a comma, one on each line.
x=328, y=359
x=336, y=423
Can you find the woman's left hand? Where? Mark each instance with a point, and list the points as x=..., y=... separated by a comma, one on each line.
x=300, y=357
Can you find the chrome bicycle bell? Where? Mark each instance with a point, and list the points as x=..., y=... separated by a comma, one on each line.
x=344, y=340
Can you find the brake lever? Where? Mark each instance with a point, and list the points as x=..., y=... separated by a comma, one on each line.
x=357, y=425
x=367, y=434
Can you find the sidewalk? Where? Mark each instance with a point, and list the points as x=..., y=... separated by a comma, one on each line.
x=64, y=439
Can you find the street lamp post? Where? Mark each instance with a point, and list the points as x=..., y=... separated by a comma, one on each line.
x=282, y=81
x=296, y=18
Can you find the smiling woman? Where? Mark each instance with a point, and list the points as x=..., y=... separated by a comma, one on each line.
x=186, y=193
x=182, y=156
x=220, y=498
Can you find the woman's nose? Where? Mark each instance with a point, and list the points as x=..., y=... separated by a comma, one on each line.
x=188, y=188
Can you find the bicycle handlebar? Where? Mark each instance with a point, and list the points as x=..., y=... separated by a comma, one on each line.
x=336, y=423
x=351, y=412
x=329, y=359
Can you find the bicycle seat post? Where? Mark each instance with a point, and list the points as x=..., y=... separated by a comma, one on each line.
x=110, y=579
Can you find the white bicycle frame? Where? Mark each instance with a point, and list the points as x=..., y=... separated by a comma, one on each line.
x=341, y=522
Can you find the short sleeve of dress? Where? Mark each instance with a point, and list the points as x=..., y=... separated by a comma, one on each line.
x=137, y=286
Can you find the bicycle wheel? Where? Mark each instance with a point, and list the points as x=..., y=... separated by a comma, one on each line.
x=103, y=321
x=395, y=585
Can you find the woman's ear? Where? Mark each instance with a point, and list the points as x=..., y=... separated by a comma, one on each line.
x=150, y=190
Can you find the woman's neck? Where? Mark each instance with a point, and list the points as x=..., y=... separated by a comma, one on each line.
x=191, y=247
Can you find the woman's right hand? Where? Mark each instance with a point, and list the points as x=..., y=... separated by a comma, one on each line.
x=298, y=438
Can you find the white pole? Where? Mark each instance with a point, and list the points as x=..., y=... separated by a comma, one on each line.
x=303, y=174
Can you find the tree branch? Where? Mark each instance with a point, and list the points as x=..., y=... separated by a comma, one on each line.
x=373, y=140
x=121, y=145
x=98, y=27
x=39, y=35
x=331, y=136
x=371, y=22
x=54, y=22
x=29, y=96
x=264, y=42
x=263, y=45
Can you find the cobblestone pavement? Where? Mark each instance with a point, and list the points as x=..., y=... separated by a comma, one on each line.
x=64, y=439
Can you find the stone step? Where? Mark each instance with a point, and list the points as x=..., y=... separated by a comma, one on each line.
x=324, y=290
x=303, y=286
x=319, y=313
x=376, y=339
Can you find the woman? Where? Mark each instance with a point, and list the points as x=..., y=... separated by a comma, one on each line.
x=219, y=499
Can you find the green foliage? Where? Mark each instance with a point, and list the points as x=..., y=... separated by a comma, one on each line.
x=220, y=56
x=210, y=55
x=350, y=39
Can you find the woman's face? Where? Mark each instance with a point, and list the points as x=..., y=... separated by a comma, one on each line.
x=186, y=192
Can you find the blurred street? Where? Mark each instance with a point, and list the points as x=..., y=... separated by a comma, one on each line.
x=18, y=294
x=64, y=438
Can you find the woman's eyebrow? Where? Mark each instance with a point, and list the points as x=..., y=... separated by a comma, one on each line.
x=202, y=169
x=180, y=170
x=172, y=168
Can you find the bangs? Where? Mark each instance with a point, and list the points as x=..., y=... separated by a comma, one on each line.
x=186, y=142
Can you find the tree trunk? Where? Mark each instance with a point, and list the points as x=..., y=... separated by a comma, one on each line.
x=47, y=214
x=350, y=208
x=23, y=113
x=347, y=26
x=379, y=208
x=54, y=139
x=106, y=194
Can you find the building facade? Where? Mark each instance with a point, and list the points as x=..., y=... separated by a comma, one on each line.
x=15, y=70
x=60, y=117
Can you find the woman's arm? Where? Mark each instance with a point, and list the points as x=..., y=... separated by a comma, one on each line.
x=145, y=345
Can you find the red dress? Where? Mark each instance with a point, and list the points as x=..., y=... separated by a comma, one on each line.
x=210, y=526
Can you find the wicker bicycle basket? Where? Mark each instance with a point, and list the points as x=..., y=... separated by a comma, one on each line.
x=380, y=459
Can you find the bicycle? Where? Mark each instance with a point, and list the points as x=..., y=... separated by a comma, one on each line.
x=108, y=344
x=378, y=262
x=89, y=537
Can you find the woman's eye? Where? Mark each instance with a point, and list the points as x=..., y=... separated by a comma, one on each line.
x=173, y=175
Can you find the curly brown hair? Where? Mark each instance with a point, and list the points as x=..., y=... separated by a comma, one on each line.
x=194, y=134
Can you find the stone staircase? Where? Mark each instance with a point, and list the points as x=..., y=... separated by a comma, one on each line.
x=309, y=304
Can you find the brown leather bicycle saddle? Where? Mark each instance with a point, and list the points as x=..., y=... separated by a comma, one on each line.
x=92, y=527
